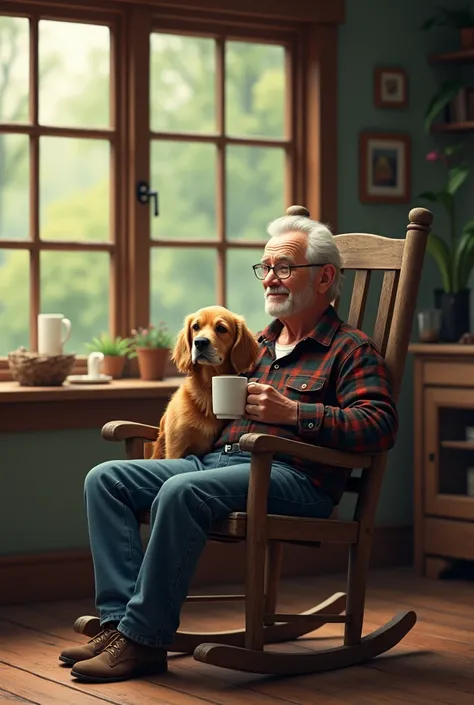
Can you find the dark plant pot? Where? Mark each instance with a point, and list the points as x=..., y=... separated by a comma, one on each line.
x=467, y=38
x=455, y=314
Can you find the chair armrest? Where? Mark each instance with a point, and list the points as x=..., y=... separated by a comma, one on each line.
x=264, y=443
x=123, y=430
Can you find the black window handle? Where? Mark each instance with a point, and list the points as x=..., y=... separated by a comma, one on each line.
x=144, y=195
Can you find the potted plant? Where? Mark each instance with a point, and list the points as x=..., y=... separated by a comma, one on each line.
x=152, y=348
x=115, y=350
x=461, y=18
x=455, y=259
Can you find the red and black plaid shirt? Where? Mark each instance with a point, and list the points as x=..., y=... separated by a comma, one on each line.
x=342, y=387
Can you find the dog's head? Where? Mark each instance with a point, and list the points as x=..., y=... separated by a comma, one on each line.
x=215, y=337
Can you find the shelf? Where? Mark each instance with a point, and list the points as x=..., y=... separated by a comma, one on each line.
x=461, y=56
x=461, y=445
x=467, y=126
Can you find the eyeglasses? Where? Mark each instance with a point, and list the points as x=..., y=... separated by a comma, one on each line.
x=281, y=270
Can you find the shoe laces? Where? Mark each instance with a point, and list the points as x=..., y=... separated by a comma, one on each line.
x=101, y=637
x=115, y=646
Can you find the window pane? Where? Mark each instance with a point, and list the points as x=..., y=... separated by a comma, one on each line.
x=76, y=284
x=184, y=174
x=74, y=74
x=255, y=89
x=14, y=187
x=14, y=300
x=182, y=281
x=74, y=189
x=255, y=190
x=14, y=66
x=182, y=84
x=244, y=290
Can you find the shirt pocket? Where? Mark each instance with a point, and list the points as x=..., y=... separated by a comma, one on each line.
x=305, y=388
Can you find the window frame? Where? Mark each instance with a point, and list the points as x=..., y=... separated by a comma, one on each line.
x=311, y=106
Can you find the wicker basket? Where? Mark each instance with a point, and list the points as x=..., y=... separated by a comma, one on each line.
x=33, y=370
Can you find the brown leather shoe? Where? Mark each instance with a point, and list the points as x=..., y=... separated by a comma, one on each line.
x=87, y=651
x=120, y=660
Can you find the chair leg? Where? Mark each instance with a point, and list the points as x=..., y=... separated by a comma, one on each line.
x=272, y=578
x=359, y=558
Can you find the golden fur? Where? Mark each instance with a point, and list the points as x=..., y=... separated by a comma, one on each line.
x=188, y=425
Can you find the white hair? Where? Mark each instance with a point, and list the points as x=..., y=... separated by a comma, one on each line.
x=321, y=247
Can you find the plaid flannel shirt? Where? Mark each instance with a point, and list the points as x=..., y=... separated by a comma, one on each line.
x=342, y=387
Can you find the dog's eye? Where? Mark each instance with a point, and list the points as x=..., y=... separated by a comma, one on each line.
x=195, y=326
x=221, y=329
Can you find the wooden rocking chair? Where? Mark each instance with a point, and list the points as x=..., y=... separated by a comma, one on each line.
x=402, y=261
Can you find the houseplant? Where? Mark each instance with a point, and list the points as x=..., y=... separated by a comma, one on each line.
x=152, y=348
x=455, y=259
x=115, y=351
x=461, y=18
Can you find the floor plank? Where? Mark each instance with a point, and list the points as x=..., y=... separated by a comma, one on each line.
x=434, y=665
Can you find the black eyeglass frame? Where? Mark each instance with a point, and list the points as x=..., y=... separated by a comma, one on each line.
x=269, y=268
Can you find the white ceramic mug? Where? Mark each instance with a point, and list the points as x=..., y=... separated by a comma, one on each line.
x=229, y=396
x=94, y=362
x=53, y=331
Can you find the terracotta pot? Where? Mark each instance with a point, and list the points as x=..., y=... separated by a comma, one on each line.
x=113, y=365
x=152, y=362
x=467, y=37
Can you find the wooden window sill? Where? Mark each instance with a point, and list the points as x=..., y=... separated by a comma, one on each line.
x=83, y=406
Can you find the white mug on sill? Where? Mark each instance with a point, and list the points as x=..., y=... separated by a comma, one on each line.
x=53, y=331
x=94, y=362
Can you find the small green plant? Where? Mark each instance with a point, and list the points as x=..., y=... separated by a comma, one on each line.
x=114, y=347
x=151, y=337
x=457, y=17
x=456, y=258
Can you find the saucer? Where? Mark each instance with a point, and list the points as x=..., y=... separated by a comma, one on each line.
x=85, y=379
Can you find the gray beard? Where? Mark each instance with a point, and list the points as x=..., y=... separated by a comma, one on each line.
x=293, y=303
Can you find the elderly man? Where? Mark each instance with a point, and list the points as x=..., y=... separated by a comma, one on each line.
x=319, y=381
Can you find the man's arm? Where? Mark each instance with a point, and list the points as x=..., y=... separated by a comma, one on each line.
x=366, y=418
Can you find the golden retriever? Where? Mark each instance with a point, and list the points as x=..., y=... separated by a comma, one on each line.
x=213, y=341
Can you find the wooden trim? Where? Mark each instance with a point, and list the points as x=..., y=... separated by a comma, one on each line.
x=139, y=27
x=13, y=393
x=441, y=350
x=321, y=123
x=297, y=11
x=52, y=576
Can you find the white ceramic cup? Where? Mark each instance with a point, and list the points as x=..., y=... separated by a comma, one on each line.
x=94, y=362
x=229, y=396
x=53, y=331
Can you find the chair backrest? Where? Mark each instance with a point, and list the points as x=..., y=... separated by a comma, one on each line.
x=401, y=260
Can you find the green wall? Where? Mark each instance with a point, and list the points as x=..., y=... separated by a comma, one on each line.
x=386, y=33
x=42, y=473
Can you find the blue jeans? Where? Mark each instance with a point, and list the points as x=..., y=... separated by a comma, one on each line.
x=145, y=590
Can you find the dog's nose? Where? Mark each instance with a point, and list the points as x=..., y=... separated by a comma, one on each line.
x=201, y=343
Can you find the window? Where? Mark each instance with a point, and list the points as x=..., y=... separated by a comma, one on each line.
x=58, y=150
x=210, y=112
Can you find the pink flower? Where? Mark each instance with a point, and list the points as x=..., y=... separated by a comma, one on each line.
x=433, y=156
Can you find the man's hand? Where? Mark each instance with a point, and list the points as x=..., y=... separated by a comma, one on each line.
x=266, y=405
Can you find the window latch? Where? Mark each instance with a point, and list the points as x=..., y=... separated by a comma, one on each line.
x=144, y=195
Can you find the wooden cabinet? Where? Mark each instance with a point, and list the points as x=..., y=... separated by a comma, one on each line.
x=443, y=380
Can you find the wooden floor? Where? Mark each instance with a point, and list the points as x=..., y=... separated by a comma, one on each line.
x=434, y=664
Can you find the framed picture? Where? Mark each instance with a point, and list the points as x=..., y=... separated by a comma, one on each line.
x=384, y=163
x=390, y=87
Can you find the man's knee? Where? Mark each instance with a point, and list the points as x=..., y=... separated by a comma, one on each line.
x=100, y=476
x=181, y=489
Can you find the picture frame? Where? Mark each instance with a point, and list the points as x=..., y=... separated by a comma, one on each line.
x=384, y=167
x=390, y=87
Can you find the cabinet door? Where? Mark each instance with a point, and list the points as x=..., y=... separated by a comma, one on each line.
x=449, y=452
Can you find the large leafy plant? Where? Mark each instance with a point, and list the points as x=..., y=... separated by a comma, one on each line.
x=455, y=258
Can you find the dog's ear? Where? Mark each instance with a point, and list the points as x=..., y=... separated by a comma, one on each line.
x=181, y=355
x=244, y=354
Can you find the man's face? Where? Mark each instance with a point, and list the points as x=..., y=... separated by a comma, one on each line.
x=287, y=297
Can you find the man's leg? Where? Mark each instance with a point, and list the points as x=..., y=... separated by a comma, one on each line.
x=182, y=515
x=115, y=492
